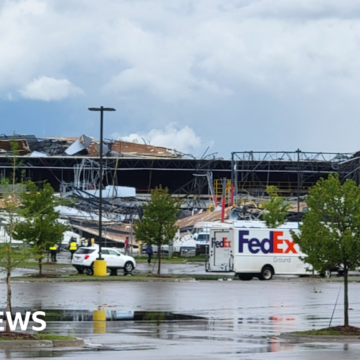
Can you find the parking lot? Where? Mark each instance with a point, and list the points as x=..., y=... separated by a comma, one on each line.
x=232, y=319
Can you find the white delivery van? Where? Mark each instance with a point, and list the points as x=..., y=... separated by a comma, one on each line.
x=69, y=236
x=259, y=252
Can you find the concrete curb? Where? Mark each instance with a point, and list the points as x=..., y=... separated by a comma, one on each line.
x=35, y=344
x=319, y=338
x=69, y=343
x=25, y=344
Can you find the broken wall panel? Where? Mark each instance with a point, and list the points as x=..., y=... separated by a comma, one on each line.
x=86, y=145
x=22, y=146
x=80, y=144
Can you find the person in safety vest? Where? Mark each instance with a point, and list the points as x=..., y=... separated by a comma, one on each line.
x=53, y=253
x=72, y=247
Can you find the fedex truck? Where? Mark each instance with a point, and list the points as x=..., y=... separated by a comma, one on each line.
x=255, y=252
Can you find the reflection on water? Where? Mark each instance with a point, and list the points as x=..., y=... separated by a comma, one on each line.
x=167, y=325
x=115, y=315
x=265, y=346
x=109, y=315
x=144, y=327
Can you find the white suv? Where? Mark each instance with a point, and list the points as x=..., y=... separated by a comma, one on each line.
x=84, y=257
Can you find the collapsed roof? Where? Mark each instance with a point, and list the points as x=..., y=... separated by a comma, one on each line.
x=190, y=221
x=29, y=145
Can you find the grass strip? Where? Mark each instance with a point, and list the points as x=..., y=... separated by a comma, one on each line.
x=53, y=337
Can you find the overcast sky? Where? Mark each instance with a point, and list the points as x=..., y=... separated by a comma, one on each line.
x=234, y=75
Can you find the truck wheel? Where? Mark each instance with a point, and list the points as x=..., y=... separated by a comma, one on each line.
x=325, y=273
x=267, y=273
x=245, y=277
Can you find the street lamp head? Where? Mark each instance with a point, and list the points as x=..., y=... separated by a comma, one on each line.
x=101, y=109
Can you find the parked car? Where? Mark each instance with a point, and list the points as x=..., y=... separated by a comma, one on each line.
x=84, y=257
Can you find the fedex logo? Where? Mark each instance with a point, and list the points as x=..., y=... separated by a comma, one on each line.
x=273, y=245
x=224, y=243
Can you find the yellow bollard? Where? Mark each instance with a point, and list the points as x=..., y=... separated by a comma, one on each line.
x=100, y=267
x=99, y=317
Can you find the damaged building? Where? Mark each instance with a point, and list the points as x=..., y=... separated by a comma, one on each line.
x=131, y=170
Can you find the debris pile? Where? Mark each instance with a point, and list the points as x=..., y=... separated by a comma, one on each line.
x=29, y=145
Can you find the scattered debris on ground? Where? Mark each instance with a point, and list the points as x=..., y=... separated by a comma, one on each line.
x=17, y=336
x=345, y=330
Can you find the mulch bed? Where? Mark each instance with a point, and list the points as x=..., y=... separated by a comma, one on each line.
x=16, y=336
x=345, y=330
x=37, y=276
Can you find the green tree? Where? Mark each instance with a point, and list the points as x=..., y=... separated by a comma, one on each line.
x=276, y=208
x=10, y=258
x=330, y=232
x=157, y=226
x=16, y=162
x=40, y=228
x=9, y=203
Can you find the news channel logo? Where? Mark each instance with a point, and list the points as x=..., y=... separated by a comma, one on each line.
x=17, y=321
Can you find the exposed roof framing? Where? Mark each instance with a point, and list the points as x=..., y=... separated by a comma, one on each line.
x=258, y=169
x=249, y=170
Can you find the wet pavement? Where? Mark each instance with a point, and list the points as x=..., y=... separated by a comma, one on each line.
x=234, y=319
x=142, y=267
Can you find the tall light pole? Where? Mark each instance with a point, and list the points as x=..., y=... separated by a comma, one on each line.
x=100, y=264
x=298, y=184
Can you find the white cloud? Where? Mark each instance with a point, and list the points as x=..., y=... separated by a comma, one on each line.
x=227, y=67
x=184, y=140
x=49, y=89
x=183, y=50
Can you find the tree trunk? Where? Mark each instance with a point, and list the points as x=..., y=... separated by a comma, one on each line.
x=346, y=298
x=8, y=270
x=8, y=298
x=14, y=175
x=159, y=259
x=40, y=266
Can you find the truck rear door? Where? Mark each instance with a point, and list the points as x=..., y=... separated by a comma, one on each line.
x=221, y=250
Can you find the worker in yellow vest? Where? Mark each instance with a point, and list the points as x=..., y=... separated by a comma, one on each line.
x=72, y=247
x=53, y=253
